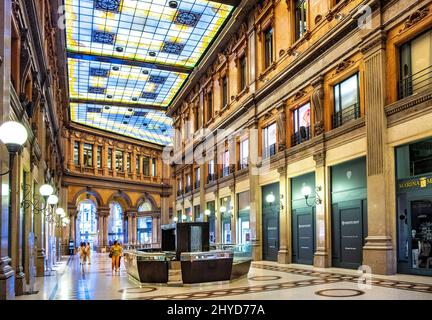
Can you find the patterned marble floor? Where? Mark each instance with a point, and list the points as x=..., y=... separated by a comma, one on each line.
x=266, y=280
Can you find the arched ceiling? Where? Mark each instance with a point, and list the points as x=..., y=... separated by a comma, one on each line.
x=127, y=60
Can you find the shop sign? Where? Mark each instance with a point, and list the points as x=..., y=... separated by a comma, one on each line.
x=418, y=183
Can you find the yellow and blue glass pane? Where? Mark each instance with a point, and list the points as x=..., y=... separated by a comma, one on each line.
x=144, y=30
x=102, y=81
x=143, y=124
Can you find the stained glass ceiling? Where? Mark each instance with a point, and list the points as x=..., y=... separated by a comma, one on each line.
x=135, y=54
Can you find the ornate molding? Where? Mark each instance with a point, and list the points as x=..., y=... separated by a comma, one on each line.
x=319, y=158
x=415, y=18
x=343, y=65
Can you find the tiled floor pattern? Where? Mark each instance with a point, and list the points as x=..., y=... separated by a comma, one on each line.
x=266, y=280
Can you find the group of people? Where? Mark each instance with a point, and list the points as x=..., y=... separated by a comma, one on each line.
x=116, y=251
x=84, y=253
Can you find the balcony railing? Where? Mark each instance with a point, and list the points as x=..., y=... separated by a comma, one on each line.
x=197, y=184
x=225, y=171
x=179, y=193
x=269, y=151
x=243, y=164
x=188, y=189
x=301, y=136
x=211, y=177
x=345, y=115
x=415, y=83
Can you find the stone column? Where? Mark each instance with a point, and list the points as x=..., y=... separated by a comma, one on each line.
x=29, y=244
x=284, y=255
x=322, y=257
x=38, y=226
x=81, y=153
x=71, y=164
x=134, y=227
x=105, y=212
x=100, y=231
x=130, y=227
x=165, y=208
x=133, y=164
x=15, y=237
x=218, y=218
x=378, y=253
x=105, y=158
x=255, y=196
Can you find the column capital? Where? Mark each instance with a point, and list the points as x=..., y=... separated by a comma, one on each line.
x=132, y=213
x=373, y=43
x=103, y=212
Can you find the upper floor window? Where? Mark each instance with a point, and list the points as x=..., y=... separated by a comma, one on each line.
x=129, y=166
x=197, y=178
x=137, y=164
x=268, y=47
x=209, y=106
x=225, y=164
x=416, y=65
x=301, y=124
x=99, y=157
x=154, y=167
x=110, y=158
x=224, y=91
x=188, y=183
x=179, y=186
x=119, y=160
x=242, y=63
x=146, y=166
x=300, y=18
x=88, y=154
x=196, y=119
x=211, y=175
x=244, y=153
x=269, y=141
x=347, y=101
x=76, y=153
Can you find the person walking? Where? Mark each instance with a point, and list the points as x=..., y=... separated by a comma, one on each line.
x=82, y=253
x=115, y=253
x=88, y=251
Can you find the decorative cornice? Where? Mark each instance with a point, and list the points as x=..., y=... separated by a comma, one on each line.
x=415, y=18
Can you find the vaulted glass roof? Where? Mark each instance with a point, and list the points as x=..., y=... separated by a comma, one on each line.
x=135, y=54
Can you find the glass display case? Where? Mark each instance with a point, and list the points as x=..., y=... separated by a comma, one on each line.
x=242, y=258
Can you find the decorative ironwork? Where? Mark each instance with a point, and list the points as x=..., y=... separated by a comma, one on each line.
x=172, y=47
x=415, y=82
x=96, y=90
x=107, y=5
x=103, y=37
x=346, y=114
x=96, y=72
x=304, y=134
x=187, y=18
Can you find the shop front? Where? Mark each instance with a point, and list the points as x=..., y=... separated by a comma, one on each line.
x=270, y=221
x=303, y=219
x=414, y=207
x=243, y=221
x=210, y=213
x=226, y=212
x=349, y=213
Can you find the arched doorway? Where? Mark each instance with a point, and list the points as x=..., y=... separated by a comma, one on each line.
x=115, y=223
x=87, y=228
x=145, y=223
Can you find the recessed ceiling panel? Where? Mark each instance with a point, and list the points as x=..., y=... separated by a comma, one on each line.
x=101, y=81
x=167, y=32
x=147, y=125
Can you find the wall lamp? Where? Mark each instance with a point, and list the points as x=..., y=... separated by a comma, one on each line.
x=207, y=212
x=270, y=199
x=46, y=191
x=13, y=135
x=307, y=191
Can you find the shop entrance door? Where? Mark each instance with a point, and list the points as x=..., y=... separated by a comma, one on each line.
x=270, y=218
x=420, y=244
x=303, y=235
x=349, y=229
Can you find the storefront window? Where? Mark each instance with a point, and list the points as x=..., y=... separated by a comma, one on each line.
x=197, y=214
x=226, y=213
x=414, y=207
x=243, y=227
x=188, y=213
x=144, y=230
x=212, y=221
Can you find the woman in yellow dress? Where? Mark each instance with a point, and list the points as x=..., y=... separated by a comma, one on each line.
x=116, y=252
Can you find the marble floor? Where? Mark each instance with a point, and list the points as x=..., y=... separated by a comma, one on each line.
x=265, y=281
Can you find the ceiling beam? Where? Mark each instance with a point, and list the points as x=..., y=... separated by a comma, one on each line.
x=134, y=63
x=119, y=104
x=233, y=3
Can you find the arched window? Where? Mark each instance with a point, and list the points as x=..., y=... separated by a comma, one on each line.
x=115, y=224
x=145, y=206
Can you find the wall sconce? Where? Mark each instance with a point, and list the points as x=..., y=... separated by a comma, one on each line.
x=307, y=191
x=183, y=217
x=222, y=209
x=270, y=199
x=175, y=219
x=207, y=212
x=13, y=135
